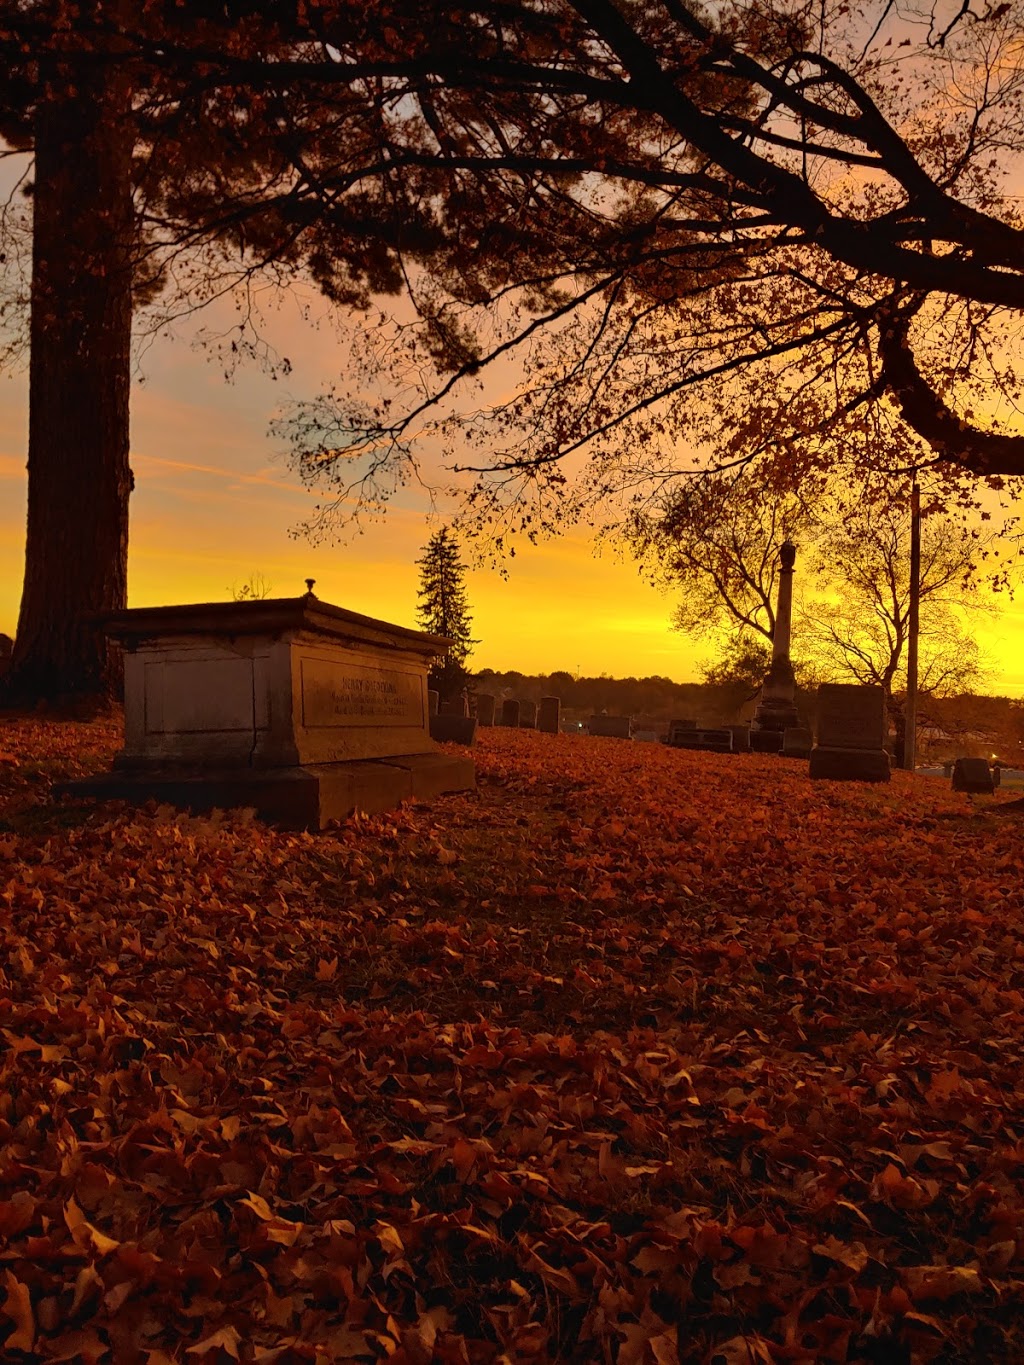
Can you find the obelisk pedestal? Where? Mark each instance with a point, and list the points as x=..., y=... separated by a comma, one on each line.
x=776, y=711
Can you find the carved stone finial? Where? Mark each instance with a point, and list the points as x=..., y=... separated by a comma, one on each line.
x=787, y=554
x=309, y=585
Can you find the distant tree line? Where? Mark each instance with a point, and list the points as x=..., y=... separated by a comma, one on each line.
x=654, y=697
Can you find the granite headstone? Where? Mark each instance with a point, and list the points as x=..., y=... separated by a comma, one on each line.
x=851, y=734
x=972, y=775
x=548, y=715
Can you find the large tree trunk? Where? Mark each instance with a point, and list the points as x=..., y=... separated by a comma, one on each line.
x=79, y=478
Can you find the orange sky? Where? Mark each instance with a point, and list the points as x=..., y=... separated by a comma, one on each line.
x=214, y=502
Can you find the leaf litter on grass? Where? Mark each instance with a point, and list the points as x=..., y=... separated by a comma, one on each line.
x=632, y=1055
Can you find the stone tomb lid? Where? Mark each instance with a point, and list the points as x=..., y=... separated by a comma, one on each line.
x=274, y=616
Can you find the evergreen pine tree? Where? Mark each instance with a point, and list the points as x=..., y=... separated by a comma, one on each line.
x=443, y=610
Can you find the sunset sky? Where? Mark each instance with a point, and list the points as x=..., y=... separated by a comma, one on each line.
x=215, y=502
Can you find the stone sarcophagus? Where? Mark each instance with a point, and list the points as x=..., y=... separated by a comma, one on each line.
x=304, y=710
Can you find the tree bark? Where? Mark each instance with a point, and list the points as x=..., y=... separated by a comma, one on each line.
x=79, y=479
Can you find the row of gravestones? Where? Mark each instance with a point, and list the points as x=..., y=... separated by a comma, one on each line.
x=452, y=721
x=794, y=742
x=852, y=727
x=851, y=736
x=516, y=714
x=523, y=715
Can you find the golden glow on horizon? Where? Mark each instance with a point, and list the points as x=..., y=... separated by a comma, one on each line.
x=213, y=505
x=211, y=508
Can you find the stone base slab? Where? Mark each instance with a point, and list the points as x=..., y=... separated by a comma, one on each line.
x=712, y=741
x=295, y=798
x=850, y=765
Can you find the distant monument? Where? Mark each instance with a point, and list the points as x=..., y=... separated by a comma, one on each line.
x=776, y=711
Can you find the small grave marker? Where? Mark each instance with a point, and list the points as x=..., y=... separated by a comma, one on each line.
x=972, y=775
x=797, y=742
x=612, y=727
x=740, y=738
x=678, y=726
x=449, y=728
x=548, y=716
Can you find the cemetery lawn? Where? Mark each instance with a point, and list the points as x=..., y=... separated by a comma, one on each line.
x=633, y=1055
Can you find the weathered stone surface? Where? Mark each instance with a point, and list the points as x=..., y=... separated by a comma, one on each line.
x=485, y=708
x=510, y=712
x=549, y=715
x=676, y=726
x=613, y=727
x=849, y=765
x=339, y=693
x=740, y=738
x=269, y=684
x=285, y=704
x=797, y=742
x=851, y=716
x=766, y=741
x=716, y=741
x=447, y=729
x=851, y=734
x=972, y=775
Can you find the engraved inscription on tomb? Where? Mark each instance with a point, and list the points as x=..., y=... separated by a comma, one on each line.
x=340, y=693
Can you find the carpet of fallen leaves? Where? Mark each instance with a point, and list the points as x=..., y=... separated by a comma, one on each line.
x=632, y=1055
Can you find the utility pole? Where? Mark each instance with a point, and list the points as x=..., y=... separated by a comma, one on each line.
x=910, y=706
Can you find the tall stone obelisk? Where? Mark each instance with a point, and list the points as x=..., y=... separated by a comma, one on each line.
x=776, y=711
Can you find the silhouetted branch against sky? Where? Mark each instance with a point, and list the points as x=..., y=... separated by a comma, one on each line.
x=661, y=202
x=634, y=214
